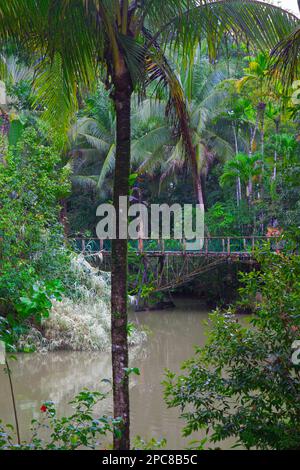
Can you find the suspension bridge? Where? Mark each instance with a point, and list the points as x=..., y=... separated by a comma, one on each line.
x=168, y=264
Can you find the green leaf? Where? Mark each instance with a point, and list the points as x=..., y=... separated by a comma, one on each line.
x=132, y=370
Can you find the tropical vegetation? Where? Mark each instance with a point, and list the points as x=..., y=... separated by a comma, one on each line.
x=181, y=101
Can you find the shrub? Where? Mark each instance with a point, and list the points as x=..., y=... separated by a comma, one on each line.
x=31, y=186
x=80, y=430
x=244, y=383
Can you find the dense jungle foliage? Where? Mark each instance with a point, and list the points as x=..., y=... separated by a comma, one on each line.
x=245, y=382
x=247, y=158
x=216, y=122
x=245, y=130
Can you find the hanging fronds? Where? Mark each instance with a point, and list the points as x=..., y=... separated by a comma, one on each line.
x=286, y=58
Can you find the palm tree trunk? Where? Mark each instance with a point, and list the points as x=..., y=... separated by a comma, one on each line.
x=250, y=191
x=199, y=192
x=196, y=170
x=122, y=99
x=238, y=181
x=238, y=191
x=253, y=135
x=277, y=124
x=262, y=109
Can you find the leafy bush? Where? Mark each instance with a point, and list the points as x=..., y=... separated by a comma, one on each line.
x=225, y=219
x=153, y=444
x=32, y=182
x=80, y=430
x=38, y=302
x=244, y=383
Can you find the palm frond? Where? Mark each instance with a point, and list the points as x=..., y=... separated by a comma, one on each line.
x=135, y=58
x=206, y=78
x=148, y=109
x=108, y=165
x=221, y=148
x=210, y=108
x=64, y=39
x=17, y=72
x=286, y=58
x=87, y=183
x=159, y=71
x=53, y=94
x=98, y=144
x=98, y=128
x=3, y=68
x=262, y=23
x=152, y=163
x=82, y=158
x=151, y=143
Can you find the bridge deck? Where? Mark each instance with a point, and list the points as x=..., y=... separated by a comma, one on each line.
x=212, y=246
x=167, y=264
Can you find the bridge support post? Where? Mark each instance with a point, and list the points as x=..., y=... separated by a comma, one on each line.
x=141, y=245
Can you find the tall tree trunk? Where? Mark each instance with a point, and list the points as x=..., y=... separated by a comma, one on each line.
x=238, y=191
x=238, y=181
x=63, y=217
x=262, y=110
x=194, y=151
x=249, y=190
x=277, y=124
x=199, y=191
x=4, y=131
x=253, y=134
x=262, y=138
x=122, y=99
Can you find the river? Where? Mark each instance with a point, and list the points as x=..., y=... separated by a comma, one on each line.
x=59, y=376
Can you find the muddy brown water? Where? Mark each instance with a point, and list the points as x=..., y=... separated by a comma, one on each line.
x=59, y=376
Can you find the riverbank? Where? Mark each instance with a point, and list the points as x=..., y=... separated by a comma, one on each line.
x=80, y=321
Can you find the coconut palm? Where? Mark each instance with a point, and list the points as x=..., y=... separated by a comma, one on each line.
x=92, y=142
x=156, y=150
x=72, y=39
x=286, y=56
x=154, y=147
x=93, y=146
x=206, y=99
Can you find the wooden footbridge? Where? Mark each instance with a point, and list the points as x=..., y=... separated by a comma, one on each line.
x=168, y=264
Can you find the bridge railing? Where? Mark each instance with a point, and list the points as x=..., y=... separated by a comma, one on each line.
x=209, y=245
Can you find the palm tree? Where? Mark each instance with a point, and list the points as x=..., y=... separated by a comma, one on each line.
x=156, y=149
x=257, y=74
x=206, y=99
x=286, y=55
x=71, y=39
x=92, y=141
x=243, y=167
